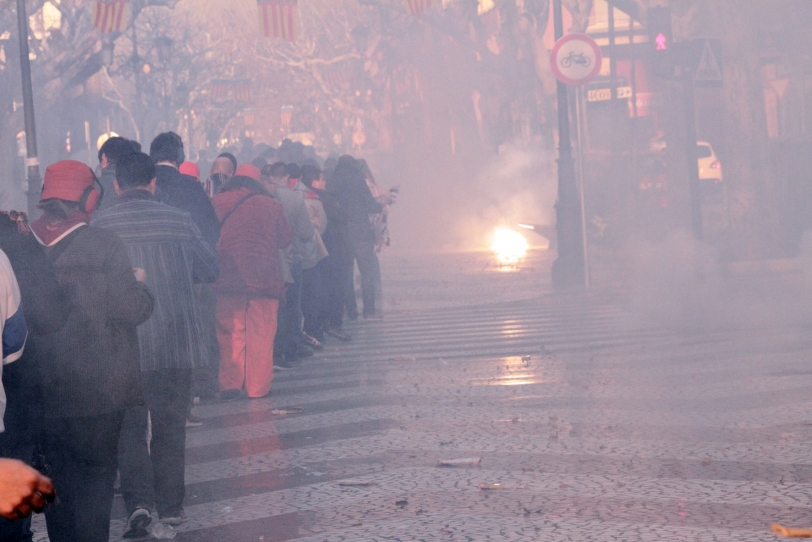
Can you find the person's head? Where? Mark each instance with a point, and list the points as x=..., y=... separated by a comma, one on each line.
x=167, y=148
x=276, y=172
x=259, y=162
x=312, y=177
x=67, y=187
x=246, y=176
x=136, y=171
x=293, y=171
x=113, y=150
x=225, y=164
x=191, y=169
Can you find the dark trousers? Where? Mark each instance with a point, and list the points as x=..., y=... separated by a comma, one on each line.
x=348, y=300
x=312, y=299
x=332, y=289
x=206, y=378
x=156, y=474
x=289, y=327
x=81, y=454
x=370, y=270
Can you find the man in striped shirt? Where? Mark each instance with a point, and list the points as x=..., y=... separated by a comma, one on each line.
x=168, y=246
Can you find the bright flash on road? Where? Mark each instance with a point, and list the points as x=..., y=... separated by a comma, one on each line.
x=510, y=246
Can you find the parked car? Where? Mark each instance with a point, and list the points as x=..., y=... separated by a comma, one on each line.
x=710, y=168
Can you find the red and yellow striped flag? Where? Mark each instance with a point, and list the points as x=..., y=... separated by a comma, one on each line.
x=278, y=18
x=111, y=15
x=418, y=7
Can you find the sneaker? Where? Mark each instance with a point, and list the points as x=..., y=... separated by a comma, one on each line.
x=175, y=520
x=282, y=365
x=193, y=421
x=312, y=342
x=136, y=526
x=340, y=335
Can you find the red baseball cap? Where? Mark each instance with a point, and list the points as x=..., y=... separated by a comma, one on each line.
x=191, y=169
x=66, y=180
x=248, y=170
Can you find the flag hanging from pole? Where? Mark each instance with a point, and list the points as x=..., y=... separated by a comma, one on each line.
x=278, y=18
x=219, y=89
x=242, y=90
x=418, y=7
x=111, y=15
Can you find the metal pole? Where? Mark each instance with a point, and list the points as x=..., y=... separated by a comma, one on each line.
x=579, y=104
x=32, y=160
x=568, y=268
x=691, y=154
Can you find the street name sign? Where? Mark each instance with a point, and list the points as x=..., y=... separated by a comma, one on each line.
x=576, y=59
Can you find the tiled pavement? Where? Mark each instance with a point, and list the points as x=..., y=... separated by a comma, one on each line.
x=608, y=432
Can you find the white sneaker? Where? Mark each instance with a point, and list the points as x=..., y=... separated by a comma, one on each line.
x=137, y=523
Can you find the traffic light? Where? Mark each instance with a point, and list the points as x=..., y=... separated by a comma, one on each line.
x=660, y=41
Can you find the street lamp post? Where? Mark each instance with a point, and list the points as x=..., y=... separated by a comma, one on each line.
x=568, y=268
x=32, y=160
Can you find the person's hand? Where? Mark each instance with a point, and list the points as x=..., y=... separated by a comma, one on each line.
x=140, y=274
x=23, y=490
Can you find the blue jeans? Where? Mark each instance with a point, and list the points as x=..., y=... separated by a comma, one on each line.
x=289, y=327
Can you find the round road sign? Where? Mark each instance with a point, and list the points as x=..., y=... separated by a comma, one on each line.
x=576, y=59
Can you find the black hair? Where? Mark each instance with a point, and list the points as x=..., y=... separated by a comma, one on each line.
x=115, y=148
x=231, y=158
x=167, y=147
x=136, y=145
x=310, y=174
x=277, y=169
x=293, y=171
x=135, y=171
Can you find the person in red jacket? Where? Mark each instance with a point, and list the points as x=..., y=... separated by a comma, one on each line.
x=253, y=231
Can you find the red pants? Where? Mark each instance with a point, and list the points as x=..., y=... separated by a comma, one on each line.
x=246, y=327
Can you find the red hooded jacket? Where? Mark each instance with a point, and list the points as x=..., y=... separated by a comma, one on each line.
x=250, y=241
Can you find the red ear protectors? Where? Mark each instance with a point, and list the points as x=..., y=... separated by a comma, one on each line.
x=91, y=197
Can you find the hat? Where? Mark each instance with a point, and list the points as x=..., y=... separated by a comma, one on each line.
x=190, y=169
x=66, y=180
x=248, y=170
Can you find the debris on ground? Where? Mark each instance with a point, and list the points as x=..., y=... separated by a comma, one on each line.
x=402, y=503
x=499, y=486
x=356, y=484
x=788, y=532
x=462, y=462
x=162, y=531
x=286, y=410
x=525, y=358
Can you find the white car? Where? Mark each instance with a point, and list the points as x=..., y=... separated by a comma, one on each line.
x=710, y=168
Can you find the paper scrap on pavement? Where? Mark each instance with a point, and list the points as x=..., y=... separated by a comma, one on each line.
x=788, y=532
x=286, y=410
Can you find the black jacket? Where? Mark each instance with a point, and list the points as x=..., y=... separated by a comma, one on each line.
x=351, y=190
x=91, y=365
x=46, y=308
x=185, y=193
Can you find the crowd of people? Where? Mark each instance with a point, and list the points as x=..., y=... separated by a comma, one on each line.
x=146, y=288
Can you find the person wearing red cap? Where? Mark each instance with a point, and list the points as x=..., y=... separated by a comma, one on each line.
x=90, y=370
x=253, y=231
x=191, y=169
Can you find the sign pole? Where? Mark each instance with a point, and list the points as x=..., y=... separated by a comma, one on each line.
x=691, y=153
x=579, y=104
x=568, y=268
x=32, y=160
